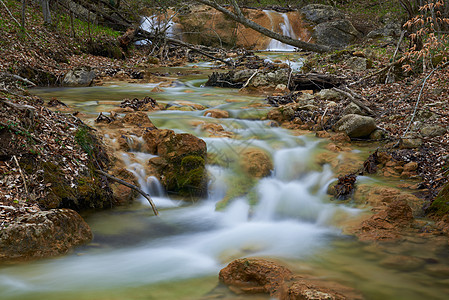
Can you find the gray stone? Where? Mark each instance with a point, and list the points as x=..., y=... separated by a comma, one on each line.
x=391, y=29
x=339, y=33
x=410, y=142
x=328, y=94
x=377, y=134
x=319, y=13
x=82, y=76
x=355, y=125
x=357, y=63
x=354, y=109
x=433, y=131
x=243, y=75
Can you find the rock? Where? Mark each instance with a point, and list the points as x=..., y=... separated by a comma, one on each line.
x=410, y=142
x=242, y=75
x=194, y=106
x=386, y=224
x=431, y=131
x=338, y=33
x=216, y=113
x=318, y=13
x=328, y=94
x=403, y=263
x=138, y=118
x=181, y=165
x=281, y=114
x=377, y=134
x=353, y=109
x=411, y=166
x=43, y=234
x=355, y=126
x=281, y=88
x=82, y=76
x=254, y=276
x=391, y=29
x=357, y=64
x=256, y=163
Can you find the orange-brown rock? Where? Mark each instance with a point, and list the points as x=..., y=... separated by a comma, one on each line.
x=43, y=234
x=122, y=194
x=216, y=113
x=254, y=276
x=138, y=118
x=256, y=163
x=387, y=223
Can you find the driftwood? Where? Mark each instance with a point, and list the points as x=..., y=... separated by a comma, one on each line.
x=153, y=206
x=315, y=81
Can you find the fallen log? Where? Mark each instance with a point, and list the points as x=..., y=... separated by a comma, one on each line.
x=315, y=81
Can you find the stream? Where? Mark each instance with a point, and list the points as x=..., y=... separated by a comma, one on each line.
x=286, y=216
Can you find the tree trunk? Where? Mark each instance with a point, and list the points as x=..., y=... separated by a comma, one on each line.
x=240, y=18
x=46, y=11
x=24, y=5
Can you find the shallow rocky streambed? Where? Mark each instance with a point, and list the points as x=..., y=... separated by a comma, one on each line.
x=286, y=216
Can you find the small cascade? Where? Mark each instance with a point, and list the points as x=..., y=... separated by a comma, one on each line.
x=283, y=27
x=135, y=163
x=156, y=24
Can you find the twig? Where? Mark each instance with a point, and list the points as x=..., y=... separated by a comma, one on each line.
x=249, y=79
x=132, y=187
x=23, y=177
x=324, y=114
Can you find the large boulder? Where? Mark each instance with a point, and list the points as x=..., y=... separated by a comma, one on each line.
x=43, y=234
x=355, y=125
x=319, y=13
x=338, y=33
x=82, y=76
x=181, y=161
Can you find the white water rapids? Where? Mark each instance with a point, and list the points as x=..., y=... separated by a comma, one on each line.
x=291, y=220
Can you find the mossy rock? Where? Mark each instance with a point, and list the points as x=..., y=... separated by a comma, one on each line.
x=190, y=179
x=440, y=206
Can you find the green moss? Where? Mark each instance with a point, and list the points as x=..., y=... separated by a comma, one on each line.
x=440, y=206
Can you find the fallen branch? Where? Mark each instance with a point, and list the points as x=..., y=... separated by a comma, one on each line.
x=249, y=79
x=377, y=72
x=132, y=187
x=353, y=97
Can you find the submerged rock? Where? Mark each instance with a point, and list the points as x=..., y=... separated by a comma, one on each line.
x=43, y=234
x=260, y=276
x=256, y=163
x=216, y=113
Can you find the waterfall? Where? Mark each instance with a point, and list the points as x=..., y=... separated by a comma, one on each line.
x=286, y=29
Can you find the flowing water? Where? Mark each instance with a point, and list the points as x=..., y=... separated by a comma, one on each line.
x=178, y=255
x=285, y=29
